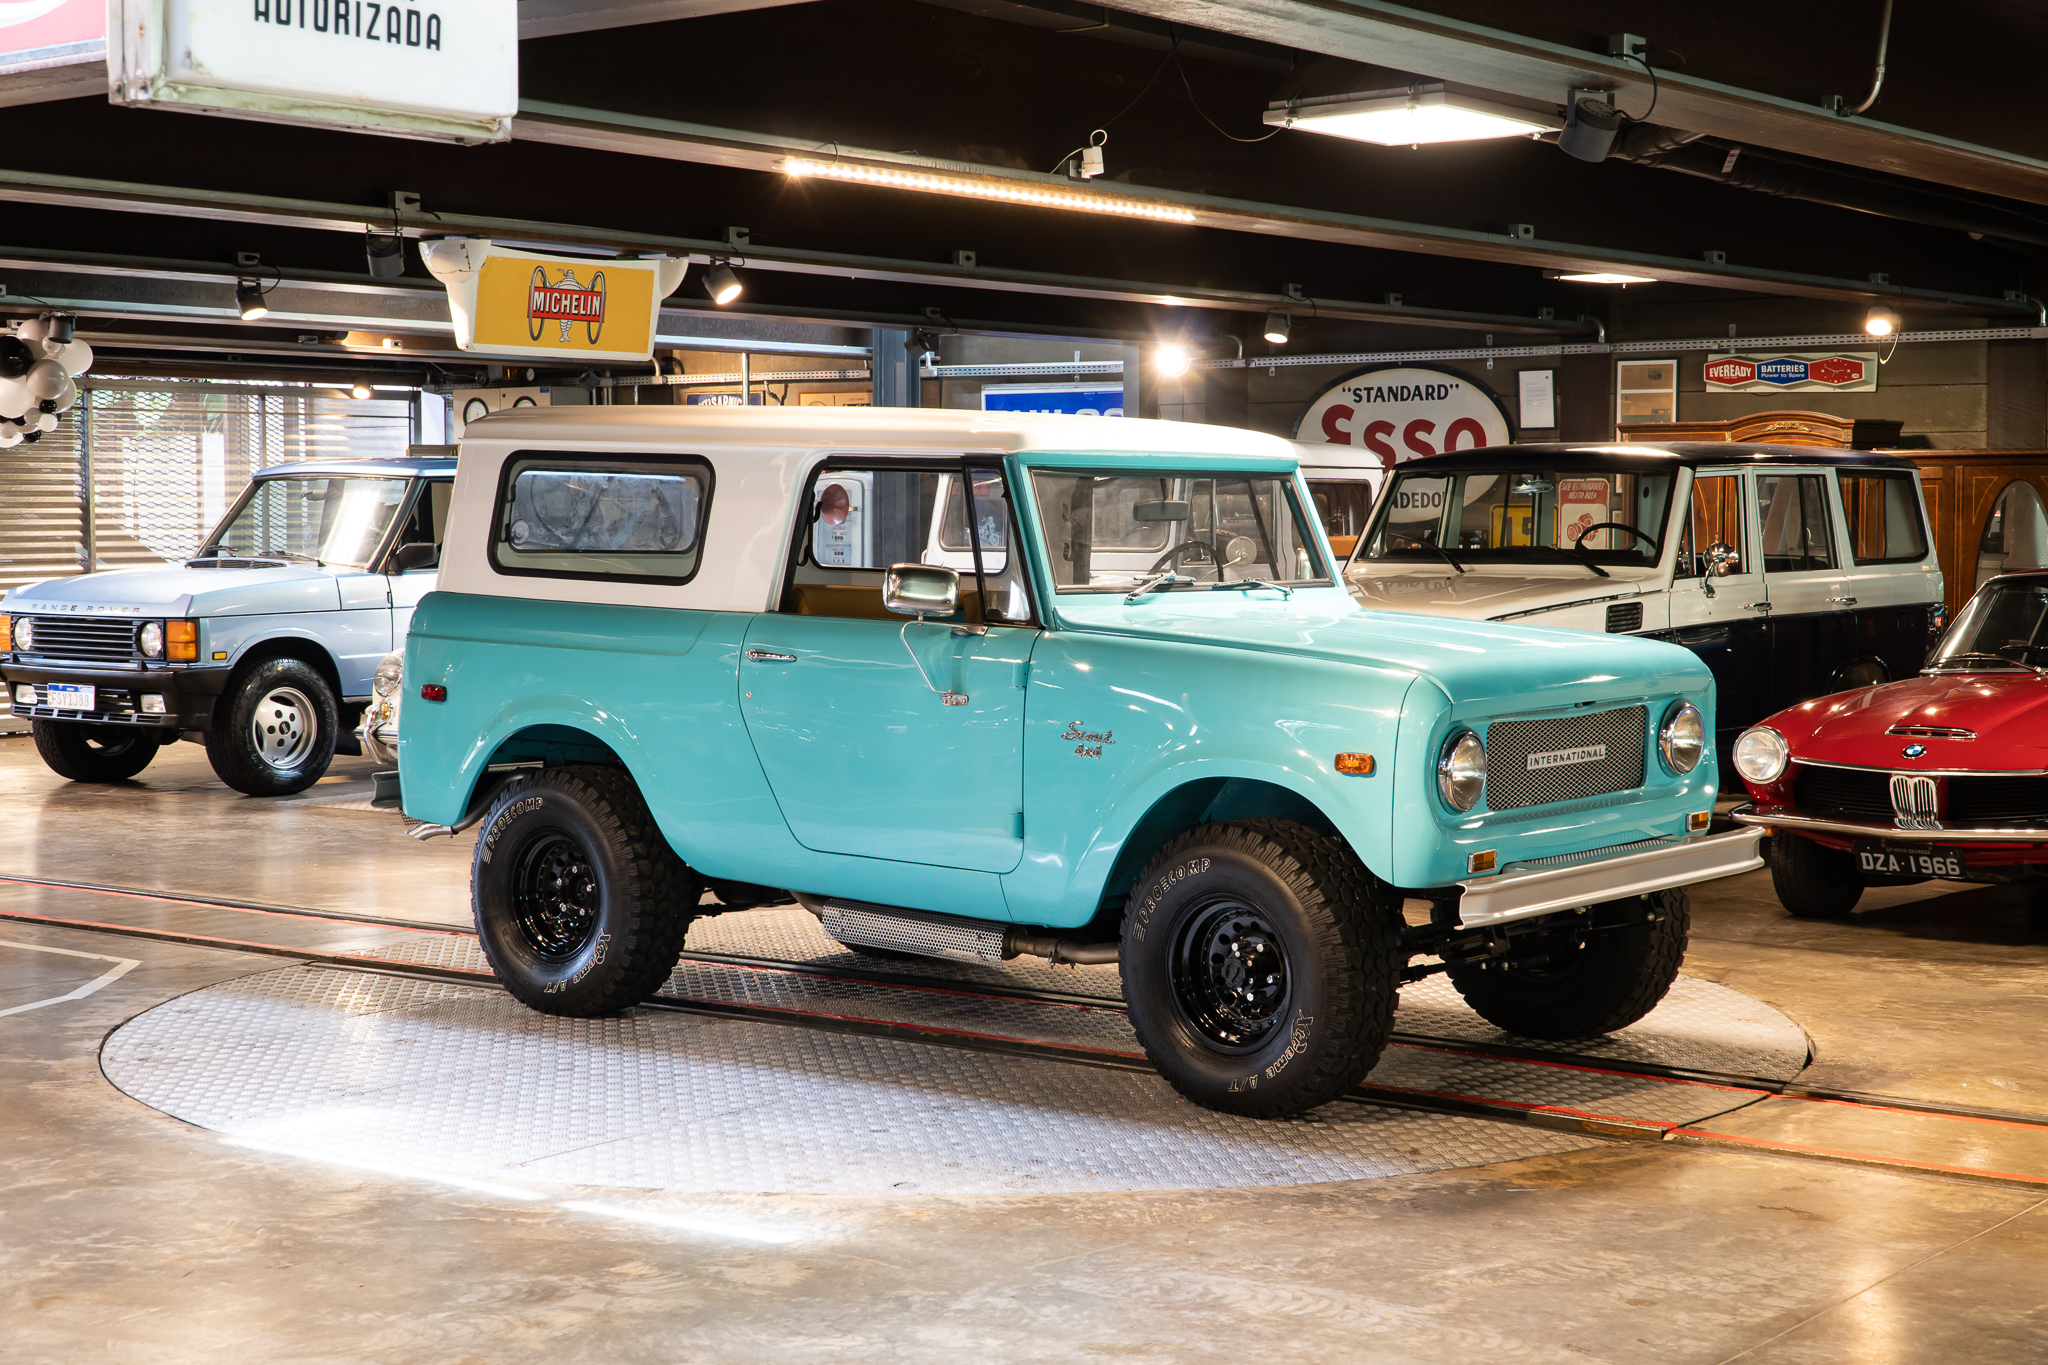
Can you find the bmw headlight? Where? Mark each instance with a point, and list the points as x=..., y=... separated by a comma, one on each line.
x=1761, y=755
x=1682, y=738
x=150, y=639
x=389, y=677
x=1461, y=770
x=25, y=633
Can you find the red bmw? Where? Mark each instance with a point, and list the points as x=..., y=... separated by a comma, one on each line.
x=1941, y=775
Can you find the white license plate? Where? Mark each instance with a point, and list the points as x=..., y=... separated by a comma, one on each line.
x=1901, y=862
x=70, y=697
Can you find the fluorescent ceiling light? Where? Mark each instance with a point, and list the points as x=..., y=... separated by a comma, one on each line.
x=986, y=187
x=1400, y=118
x=1603, y=277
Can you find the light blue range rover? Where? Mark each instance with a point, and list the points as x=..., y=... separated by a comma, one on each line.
x=261, y=646
x=977, y=685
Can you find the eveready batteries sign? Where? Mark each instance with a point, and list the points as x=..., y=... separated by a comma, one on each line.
x=1398, y=412
x=524, y=303
x=1855, y=372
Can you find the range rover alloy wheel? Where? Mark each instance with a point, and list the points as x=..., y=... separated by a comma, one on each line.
x=274, y=729
x=1593, y=974
x=94, y=753
x=580, y=903
x=1260, y=963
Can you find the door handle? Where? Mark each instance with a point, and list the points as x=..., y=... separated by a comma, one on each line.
x=1843, y=601
x=769, y=656
x=1757, y=606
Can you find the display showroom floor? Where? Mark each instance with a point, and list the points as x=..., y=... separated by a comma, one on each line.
x=263, y=1102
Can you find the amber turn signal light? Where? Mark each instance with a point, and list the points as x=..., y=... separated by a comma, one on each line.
x=433, y=692
x=1483, y=862
x=181, y=640
x=1698, y=821
x=6, y=633
x=1358, y=765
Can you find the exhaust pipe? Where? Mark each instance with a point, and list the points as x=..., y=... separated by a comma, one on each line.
x=952, y=937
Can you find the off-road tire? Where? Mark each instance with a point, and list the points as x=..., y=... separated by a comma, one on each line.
x=94, y=753
x=1812, y=880
x=616, y=947
x=1301, y=897
x=285, y=696
x=1570, y=983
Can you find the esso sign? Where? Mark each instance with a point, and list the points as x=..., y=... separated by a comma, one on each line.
x=1401, y=411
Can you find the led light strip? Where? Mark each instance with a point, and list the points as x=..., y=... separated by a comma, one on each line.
x=930, y=183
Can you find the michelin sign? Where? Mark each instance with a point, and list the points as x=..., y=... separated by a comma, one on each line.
x=528, y=304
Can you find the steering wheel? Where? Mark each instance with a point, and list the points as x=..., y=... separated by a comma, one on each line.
x=1202, y=543
x=1578, y=541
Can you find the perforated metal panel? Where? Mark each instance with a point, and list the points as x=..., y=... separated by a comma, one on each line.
x=1562, y=758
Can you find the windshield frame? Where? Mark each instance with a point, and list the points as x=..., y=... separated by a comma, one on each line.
x=211, y=547
x=1534, y=555
x=1959, y=642
x=1325, y=570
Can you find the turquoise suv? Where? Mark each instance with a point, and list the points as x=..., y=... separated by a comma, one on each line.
x=985, y=685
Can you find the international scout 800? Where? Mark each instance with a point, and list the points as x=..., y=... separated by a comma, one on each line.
x=977, y=685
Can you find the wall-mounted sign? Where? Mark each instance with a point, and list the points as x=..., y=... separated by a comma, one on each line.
x=1081, y=400
x=443, y=69
x=1398, y=412
x=524, y=303
x=1852, y=372
x=37, y=34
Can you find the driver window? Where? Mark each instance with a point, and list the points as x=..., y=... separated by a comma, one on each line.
x=427, y=520
x=1714, y=518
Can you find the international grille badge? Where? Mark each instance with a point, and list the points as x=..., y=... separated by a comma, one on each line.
x=1913, y=750
x=567, y=301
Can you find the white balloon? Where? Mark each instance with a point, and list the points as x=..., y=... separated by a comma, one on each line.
x=15, y=399
x=45, y=378
x=10, y=435
x=33, y=330
x=66, y=396
x=46, y=421
x=75, y=357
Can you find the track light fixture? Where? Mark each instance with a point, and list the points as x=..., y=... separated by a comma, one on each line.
x=360, y=389
x=1881, y=321
x=63, y=328
x=1173, y=360
x=1279, y=326
x=249, y=300
x=722, y=284
x=385, y=252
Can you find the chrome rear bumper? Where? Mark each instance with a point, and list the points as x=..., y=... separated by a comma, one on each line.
x=1513, y=894
x=1930, y=832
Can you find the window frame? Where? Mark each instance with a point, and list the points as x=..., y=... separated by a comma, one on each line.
x=1849, y=524
x=1827, y=511
x=598, y=460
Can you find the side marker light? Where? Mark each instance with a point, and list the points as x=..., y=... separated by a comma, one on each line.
x=1698, y=821
x=1357, y=765
x=433, y=692
x=1483, y=862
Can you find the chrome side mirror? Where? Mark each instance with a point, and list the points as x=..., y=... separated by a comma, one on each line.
x=921, y=590
x=1722, y=560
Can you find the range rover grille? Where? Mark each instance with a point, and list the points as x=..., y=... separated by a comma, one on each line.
x=1512, y=782
x=98, y=639
x=1843, y=791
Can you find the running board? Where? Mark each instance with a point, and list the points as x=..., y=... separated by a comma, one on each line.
x=953, y=937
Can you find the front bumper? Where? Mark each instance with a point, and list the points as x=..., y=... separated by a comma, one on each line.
x=1921, y=832
x=189, y=693
x=1522, y=890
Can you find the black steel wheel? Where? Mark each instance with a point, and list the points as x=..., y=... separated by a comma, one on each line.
x=1260, y=963
x=1597, y=971
x=581, y=905
x=94, y=753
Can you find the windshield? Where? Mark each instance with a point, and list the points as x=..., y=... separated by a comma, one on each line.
x=1522, y=515
x=1111, y=532
x=2002, y=627
x=329, y=520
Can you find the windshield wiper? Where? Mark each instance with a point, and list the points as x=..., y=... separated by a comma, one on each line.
x=1444, y=554
x=289, y=554
x=1988, y=657
x=1163, y=580
x=1568, y=557
x=1280, y=588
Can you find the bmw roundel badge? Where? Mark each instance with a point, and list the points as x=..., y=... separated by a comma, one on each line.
x=1913, y=750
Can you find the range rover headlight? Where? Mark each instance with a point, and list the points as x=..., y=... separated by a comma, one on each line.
x=1461, y=770
x=1761, y=755
x=1682, y=738
x=25, y=634
x=389, y=677
x=150, y=639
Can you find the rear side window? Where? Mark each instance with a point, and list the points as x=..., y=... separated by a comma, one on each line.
x=1884, y=516
x=599, y=516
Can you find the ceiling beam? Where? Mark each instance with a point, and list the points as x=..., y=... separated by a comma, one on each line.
x=548, y=18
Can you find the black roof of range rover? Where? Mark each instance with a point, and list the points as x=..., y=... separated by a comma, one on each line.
x=1648, y=455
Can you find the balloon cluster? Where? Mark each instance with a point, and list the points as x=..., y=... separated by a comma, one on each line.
x=39, y=367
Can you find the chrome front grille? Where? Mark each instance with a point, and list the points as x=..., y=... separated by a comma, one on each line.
x=1562, y=758
x=95, y=639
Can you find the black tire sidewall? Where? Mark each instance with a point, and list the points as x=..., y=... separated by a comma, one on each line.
x=1813, y=881
x=233, y=754
x=1614, y=979
x=66, y=748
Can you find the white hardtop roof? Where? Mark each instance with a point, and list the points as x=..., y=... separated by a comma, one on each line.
x=879, y=429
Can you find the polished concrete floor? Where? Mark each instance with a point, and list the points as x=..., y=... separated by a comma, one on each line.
x=128, y=1235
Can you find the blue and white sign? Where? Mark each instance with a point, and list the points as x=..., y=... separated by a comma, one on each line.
x=1077, y=400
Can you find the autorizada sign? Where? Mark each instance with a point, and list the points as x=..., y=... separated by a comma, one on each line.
x=442, y=69
x=1401, y=411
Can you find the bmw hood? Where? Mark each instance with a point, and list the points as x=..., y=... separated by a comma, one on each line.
x=1481, y=596
x=1990, y=720
x=175, y=590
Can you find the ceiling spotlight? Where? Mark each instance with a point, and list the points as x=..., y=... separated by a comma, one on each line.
x=1590, y=127
x=721, y=284
x=63, y=328
x=385, y=252
x=1173, y=361
x=1880, y=321
x=1278, y=327
x=1402, y=118
x=1602, y=277
x=360, y=389
x=249, y=300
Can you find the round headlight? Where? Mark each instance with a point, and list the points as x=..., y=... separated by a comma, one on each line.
x=150, y=639
x=1761, y=754
x=390, y=675
x=24, y=632
x=1682, y=738
x=1461, y=770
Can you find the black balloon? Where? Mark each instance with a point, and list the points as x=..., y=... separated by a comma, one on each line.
x=32, y=437
x=15, y=357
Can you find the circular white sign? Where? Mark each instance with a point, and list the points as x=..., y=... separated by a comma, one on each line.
x=1398, y=412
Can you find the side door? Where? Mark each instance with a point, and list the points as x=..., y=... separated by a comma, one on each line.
x=1812, y=630
x=1718, y=608
x=1892, y=579
x=424, y=523
x=355, y=516
x=883, y=736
